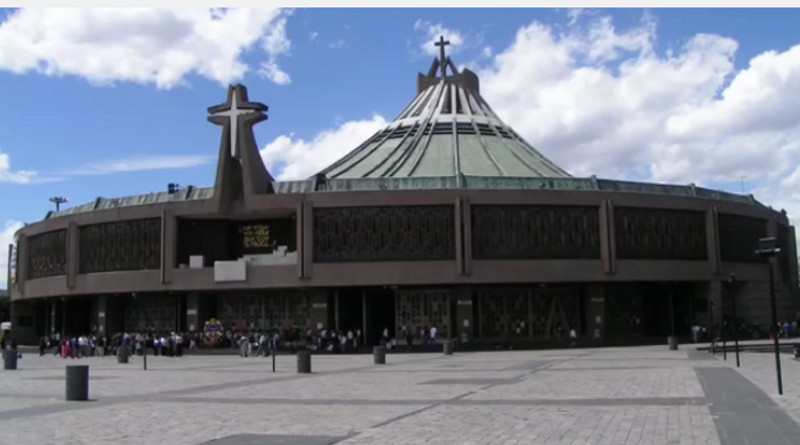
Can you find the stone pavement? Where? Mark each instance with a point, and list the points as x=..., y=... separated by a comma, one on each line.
x=615, y=396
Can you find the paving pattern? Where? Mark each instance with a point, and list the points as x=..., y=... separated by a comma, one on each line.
x=615, y=396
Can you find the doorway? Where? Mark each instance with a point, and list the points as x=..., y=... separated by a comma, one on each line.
x=380, y=314
x=350, y=310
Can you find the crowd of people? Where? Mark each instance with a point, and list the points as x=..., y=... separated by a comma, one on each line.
x=249, y=343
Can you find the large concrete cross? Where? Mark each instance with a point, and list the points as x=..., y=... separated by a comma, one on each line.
x=233, y=113
x=441, y=44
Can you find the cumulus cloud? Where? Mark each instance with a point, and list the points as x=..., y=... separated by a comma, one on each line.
x=600, y=100
x=14, y=176
x=147, y=46
x=430, y=33
x=297, y=158
x=6, y=238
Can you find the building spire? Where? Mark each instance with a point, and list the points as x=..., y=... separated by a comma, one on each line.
x=442, y=60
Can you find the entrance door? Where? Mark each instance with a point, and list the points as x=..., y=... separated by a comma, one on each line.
x=380, y=314
x=350, y=310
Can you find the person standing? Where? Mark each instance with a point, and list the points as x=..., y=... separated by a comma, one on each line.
x=42, y=346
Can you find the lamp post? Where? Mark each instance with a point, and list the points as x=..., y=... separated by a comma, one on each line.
x=58, y=200
x=768, y=248
x=711, y=325
x=732, y=289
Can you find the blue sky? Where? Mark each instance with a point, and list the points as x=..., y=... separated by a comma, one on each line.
x=114, y=103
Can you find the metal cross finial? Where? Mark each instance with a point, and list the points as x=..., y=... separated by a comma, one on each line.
x=441, y=44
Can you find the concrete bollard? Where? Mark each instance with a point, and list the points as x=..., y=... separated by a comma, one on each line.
x=304, y=362
x=123, y=354
x=10, y=359
x=448, y=347
x=379, y=355
x=77, y=383
x=673, y=342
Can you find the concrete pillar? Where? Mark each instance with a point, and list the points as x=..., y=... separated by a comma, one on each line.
x=169, y=245
x=307, y=254
x=23, y=266
x=595, y=303
x=466, y=215
x=459, y=237
x=464, y=321
x=193, y=320
x=299, y=218
x=73, y=256
x=712, y=240
x=52, y=304
x=319, y=311
x=608, y=250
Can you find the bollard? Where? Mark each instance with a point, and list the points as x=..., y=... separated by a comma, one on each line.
x=673, y=342
x=123, y=353
x=379, y=355
x=10, y=359
x=77, y=383
x=448, y=347
x=304, y=362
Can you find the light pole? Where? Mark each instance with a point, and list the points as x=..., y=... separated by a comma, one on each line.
x=732, y=290
x=711, y=324
x=58, y=200
x=767, y=248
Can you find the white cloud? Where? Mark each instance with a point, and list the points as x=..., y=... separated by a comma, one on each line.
x=599, y=100
x=298, y=159
x=11, y=176
x=159, y=162
x=430, y=33
x=487, y=52
x=6, y=238
x=148, y=46
x=274, y=73
x=313, y=36
x=338, y=44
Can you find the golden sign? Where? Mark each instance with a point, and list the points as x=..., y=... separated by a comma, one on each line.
x=256, y=236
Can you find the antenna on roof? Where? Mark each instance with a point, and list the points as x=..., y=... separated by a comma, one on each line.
x=58, y=200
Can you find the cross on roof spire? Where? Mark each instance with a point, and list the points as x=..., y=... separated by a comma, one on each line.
x=441, y=44
x=237, y=107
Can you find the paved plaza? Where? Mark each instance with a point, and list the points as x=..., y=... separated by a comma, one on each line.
x=615, y=396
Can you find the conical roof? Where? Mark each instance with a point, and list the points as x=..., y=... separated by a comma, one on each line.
x=447, y=130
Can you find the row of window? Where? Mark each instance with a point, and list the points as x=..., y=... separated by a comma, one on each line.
x=409, y=233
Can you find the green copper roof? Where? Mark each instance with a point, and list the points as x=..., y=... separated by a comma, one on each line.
x=447, y=130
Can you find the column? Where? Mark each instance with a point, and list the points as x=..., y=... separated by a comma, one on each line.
x=73, y=244
x=299, y=217
x=712, y=240
x=193, y=321
x=608, y=251
x=466, y=234
x=463, y=318
x=99, y=315
x=307, y=254
x=595, y=309
x=319, y=311
x=22, y=262
x=459, y=238
x=169, y=245
x=337, y=307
